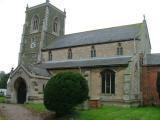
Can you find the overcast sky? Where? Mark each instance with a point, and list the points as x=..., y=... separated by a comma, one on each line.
x=82, y=15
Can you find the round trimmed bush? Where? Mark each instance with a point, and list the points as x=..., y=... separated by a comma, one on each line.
x=64, y=91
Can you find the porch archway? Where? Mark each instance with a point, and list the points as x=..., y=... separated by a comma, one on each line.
x=21, y=90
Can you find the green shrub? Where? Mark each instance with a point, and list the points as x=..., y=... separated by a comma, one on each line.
x=64, y=91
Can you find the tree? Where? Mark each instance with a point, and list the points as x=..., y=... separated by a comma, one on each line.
x=3, y=80
x=64, y=91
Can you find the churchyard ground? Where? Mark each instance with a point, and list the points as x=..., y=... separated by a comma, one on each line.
x=2, y=100
x=17, y=112
x=110, y=113
x=1, y=116
x=105, y=113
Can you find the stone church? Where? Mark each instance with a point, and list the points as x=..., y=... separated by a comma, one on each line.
x=110, y=59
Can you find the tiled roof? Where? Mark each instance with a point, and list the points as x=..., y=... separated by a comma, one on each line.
x=152, y=59
x=37, y=70
x=109, y=61
x=114, y=34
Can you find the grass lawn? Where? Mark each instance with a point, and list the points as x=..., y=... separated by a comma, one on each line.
x=118, y=113
x=1, y=117
x=2, y=99
x=40, y=109
x=109, y=113
x=37, y=107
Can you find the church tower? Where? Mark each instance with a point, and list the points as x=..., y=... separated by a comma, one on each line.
x=43, y=23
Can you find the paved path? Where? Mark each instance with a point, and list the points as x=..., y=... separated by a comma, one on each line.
x=17, y=112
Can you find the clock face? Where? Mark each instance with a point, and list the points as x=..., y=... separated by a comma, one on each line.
x=33, y=44
x=34, y=40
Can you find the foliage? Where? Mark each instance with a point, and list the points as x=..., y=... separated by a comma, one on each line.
x=158, y=83
x=38, y=107
x=2, y=99
x=64, y=91
x=3, y=80
x=119, y=113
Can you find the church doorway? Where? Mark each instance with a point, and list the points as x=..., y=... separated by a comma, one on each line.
x=21, y=90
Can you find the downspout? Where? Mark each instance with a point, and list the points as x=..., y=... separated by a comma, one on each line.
x=80, y=70
x=135, y=46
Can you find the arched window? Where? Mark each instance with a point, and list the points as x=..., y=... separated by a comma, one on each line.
x=56, y=25
x=93, y=51
x=35, y=23
x=50, y=56
x=119, y=49
x=108, y=82
x=69, y=53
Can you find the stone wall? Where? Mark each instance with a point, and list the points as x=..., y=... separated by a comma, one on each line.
x=34, y=85
x=93, y=76
x=84, y=52
x=43, y=36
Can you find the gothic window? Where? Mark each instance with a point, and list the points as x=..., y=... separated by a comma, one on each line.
x=50, y=56
x=93, y=51
x=119, y=49
x=69, y=53
x=33, y=42
x=56, y=25
x=35, y=23
x=108, y=82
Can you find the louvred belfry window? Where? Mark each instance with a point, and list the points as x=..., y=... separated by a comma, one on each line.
x=35, y=23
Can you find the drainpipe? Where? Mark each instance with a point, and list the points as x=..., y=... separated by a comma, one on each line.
x=135, y=45
x=80, y=71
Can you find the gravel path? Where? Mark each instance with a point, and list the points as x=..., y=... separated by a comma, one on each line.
x=17, y=112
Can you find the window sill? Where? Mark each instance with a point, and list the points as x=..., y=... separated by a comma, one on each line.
x=107, y=94
x=35, y=31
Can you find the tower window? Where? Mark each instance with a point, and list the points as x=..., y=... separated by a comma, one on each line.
x=56, y=25
x=35, y=23
x=93, y=51
x=69, y=53
x=108, y=82
x=119, y=49
x=50, y=56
